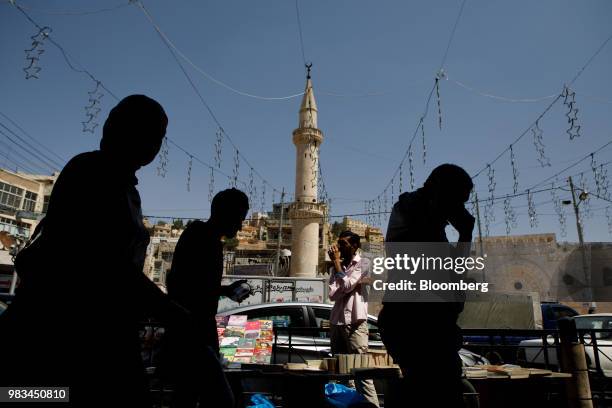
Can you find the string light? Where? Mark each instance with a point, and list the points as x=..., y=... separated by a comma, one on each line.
x=211, y=185
x=234, y=181
x=401, y=178
x=585, y=207
x=218, y=147
x=489, y=214
x=515, y=172
x=509, y=215
x=423, y=141
x=411, y=168
x=263, y=197
x=559, y=210
x=609, y=218
x=189, y=165
x=162, y=168
x=531, y=210
x=538, y=142
x=33, y=54
x=93, y=109
x=440, y=75
x=569, y=100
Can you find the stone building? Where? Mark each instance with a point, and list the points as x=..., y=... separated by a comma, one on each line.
x=23, y=201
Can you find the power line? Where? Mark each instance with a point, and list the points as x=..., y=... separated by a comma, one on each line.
x=40, y=154
x=32, y=137
x=452, y=36
x=73, y=12
x=196, y=90
x=578, y=74
x=178, y=52
x=26, y=150
x=572, y=165
x=18, y=164
x=299, y=23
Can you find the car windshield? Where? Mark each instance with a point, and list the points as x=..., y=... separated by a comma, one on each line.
x=595, y=322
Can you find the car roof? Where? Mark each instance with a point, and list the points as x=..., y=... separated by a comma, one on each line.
x=247, y=308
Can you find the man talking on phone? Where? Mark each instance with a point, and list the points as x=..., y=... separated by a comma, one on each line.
x=428, y=352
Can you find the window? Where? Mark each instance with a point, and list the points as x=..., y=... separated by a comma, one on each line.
x=10, y=196
x=29, y=202
x=46, y=204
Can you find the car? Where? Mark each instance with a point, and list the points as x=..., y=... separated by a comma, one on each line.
x=310, y=345
x=531, y=352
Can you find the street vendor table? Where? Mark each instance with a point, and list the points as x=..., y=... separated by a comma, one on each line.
x=298, y=388
x=540, y=391
x=306, y=388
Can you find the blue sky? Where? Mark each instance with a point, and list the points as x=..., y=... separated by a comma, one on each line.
x=380, y=56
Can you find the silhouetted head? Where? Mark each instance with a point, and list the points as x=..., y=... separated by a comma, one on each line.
x=134, y=131
x=449, y=187
x=348, y=244
x=227, y=211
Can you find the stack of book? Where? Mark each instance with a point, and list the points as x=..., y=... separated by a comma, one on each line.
x=242, y=341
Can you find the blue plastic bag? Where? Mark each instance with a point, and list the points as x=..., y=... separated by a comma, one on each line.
x=260, y=401
x=341, y=396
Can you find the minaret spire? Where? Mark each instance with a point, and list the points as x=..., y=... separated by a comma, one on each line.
x=308, y=109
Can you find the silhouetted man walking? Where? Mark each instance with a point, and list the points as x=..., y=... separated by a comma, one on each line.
x=194, y=281
x=75, y=319
x=423, y=337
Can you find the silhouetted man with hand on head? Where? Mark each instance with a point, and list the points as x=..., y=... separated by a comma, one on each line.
x=75, y=319
x=194, y=281
x=423, y=337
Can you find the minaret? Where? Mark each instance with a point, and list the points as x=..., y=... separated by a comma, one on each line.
x=306, y=211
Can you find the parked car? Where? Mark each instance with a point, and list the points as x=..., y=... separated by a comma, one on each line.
x=531, y=352
x=307, y=345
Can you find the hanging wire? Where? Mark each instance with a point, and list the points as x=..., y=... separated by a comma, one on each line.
x=75, y=12
x=179, y=53
x=410, y=168
x=578, y=74
x=174, y=53
x=501, y=98
x=401, y=179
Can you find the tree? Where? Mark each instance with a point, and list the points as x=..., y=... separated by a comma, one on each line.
x=178, y=224
x=161, y=222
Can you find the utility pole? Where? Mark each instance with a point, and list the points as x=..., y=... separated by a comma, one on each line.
x=280, y=231
x=585, y=267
